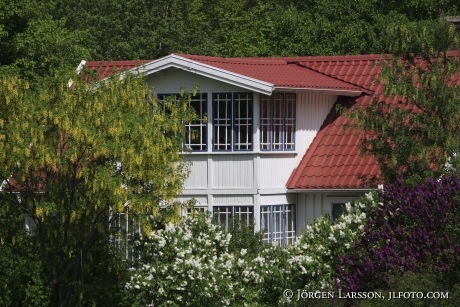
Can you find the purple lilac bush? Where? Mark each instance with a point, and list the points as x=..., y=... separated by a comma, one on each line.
x=415, y=228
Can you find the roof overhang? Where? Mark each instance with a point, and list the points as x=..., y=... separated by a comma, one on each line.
x=322, y=91
x=176, y=61
x=357, y=190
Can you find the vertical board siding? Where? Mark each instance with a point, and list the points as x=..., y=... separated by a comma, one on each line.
x=275, y=170
x=233, y=200
x=200, y=200
x=198, y=176
x=312, y=110
x=233, y=171
x=310, y=206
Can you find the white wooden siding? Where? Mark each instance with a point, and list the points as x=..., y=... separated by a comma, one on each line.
x=313, y=205
x=252, y=178
x=173, y=80
x=235, y=200
x=233, y=171
x=312, y=109
x=198, y=166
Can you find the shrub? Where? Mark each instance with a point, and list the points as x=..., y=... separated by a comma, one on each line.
x=416, y=229
x=314, y=258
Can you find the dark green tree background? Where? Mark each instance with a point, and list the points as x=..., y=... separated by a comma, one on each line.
x=36, y=36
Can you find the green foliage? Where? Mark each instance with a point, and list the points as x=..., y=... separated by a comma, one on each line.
x=21, y=278
x=416, y=283
x=313, y=259
x=37, y=35
x=414, y=127
x=71, y=158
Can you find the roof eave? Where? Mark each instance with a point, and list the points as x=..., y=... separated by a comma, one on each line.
x=179, y=62
x=307, y=190
x=350, y=93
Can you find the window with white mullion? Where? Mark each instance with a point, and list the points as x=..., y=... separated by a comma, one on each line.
x=289, y=122
x=265, y=123
x=277, y=125
x=278, y=224
x=225, y=215
x=245, y=215
x=222, y=120
x=196, y=138
x=243, y=107
x=277, y=235
x=265, y=227
x=232, y=121
x=290, y=225
x=196, y=130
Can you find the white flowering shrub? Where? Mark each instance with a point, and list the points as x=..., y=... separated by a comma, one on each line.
x=316, y=253
x=196, y=263
x=184, y=264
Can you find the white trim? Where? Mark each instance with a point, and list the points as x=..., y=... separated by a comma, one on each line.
x=226, y=76
x=80, y=66
x=79, y=69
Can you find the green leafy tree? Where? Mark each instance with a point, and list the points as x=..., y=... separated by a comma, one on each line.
x=70, y=159
x=414, y=125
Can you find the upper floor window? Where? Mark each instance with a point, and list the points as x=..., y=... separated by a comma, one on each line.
x=232, y=121
x=196, y=130
x=277, y=121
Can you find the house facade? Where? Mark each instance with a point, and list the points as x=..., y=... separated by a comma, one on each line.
x=269, y=147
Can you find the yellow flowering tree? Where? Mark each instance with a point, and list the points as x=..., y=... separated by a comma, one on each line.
x=71, y=157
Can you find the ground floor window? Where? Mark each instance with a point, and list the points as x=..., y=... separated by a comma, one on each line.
x=277, y=224
x=192, y=211
x=337, y=210
x=227, y=215
x=125, y=228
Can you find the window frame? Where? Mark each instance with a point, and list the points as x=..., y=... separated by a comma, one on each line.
x=126, y=228
x=233, y=123
x=201, y=122
x=287, y=103
x=232, y=212
x=283, y=235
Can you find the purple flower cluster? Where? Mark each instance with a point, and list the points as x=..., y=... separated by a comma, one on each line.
x=415, y=229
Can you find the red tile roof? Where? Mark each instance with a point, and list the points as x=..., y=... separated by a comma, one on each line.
x=104, y=69
x=361, y=70
x=334, y=159
x=282, y=72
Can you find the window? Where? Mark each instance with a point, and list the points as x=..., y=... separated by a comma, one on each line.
x=277, y=224
x=337, y=210
x=277, y=121
x=126, y=228
x=195, y=131
x=232, y=121
x=192, y=211
x=226, y=214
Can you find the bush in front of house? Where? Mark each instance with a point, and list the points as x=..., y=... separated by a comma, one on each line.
x=314, y=257
x=415, y=230
x=196, y=263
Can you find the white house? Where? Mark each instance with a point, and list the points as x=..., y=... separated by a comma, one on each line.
x=273, y=150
